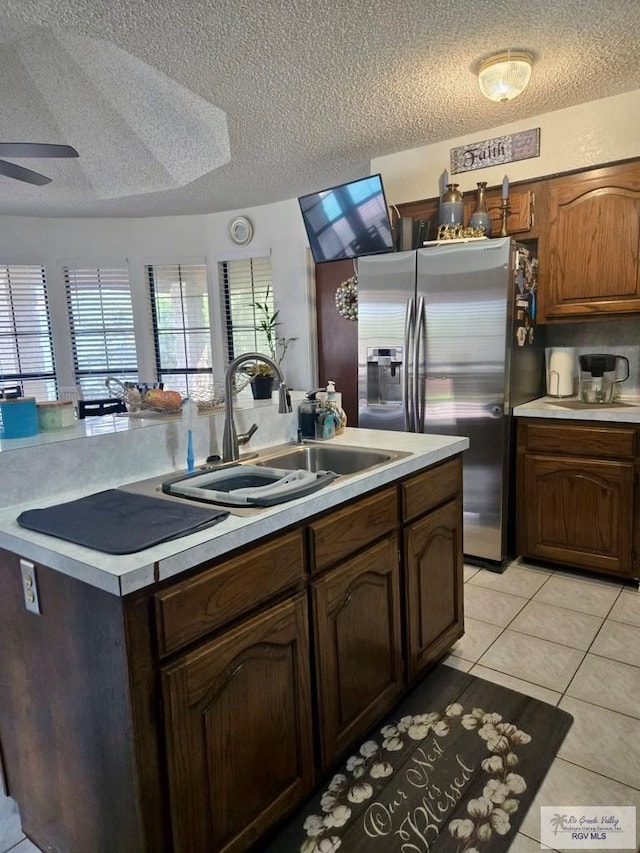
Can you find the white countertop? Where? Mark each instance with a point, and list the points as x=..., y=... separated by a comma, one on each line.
x=552, y=407
x=121, y=575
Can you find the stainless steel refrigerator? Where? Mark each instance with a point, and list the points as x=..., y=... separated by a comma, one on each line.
x=448, y=344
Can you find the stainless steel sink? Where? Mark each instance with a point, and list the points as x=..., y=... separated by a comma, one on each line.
x=327, y=457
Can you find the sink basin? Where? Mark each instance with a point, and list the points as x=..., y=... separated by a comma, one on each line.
x=326, y=457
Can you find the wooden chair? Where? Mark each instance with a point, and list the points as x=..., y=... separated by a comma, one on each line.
x=106, y=406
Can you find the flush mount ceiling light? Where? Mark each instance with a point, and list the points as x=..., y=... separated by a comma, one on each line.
x=505, y=75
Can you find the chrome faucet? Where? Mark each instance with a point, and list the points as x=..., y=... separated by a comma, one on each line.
x=230, y=439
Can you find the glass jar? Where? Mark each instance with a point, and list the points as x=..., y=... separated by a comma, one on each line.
x=480, y=216
x=451, y=210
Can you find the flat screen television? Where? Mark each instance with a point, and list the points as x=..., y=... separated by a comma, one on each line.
x=348, y=220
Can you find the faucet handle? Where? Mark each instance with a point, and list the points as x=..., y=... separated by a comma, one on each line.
x=245, y=437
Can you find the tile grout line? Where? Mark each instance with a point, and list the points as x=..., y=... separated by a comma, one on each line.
x=562, y=693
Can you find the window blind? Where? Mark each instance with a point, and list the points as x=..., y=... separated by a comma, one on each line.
x=245, y=282
x=181, y=325
x=102, y=332
x=26, y=349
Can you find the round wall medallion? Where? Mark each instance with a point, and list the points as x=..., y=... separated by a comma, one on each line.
x=240, y=230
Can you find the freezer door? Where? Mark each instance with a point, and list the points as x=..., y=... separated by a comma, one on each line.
x=386, y=289
x=468, y=297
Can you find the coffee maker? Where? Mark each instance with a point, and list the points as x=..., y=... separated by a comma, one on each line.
x=599, y=376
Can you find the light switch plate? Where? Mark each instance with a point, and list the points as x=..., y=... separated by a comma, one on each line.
x=29, y=586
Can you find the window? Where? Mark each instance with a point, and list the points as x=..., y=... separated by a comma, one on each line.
x=181, y=325
x=26, y=350
x=245, y=282
x=102, y=333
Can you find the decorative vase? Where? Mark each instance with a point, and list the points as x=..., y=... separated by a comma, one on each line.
x=262, y=387
x=451, y=210
x=480, y=216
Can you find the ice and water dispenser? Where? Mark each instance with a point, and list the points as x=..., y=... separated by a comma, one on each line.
x=384, y=374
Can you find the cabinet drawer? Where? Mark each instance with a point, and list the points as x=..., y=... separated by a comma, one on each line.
x=342, y=533
x=191, y=609
x=431, y=488
x=581, y=440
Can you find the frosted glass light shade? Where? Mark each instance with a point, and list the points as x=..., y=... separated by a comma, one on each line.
x=505, y=75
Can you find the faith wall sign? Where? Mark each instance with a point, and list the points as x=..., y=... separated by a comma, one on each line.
x=493, y=152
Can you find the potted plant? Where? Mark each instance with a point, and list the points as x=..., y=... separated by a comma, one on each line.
x=261, y=374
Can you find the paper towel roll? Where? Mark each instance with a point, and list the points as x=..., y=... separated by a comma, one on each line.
x=561, y=373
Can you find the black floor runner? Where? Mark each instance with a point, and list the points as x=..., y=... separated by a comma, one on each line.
x=453, y=768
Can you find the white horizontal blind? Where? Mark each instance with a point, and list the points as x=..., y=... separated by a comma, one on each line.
x=245, y=282
x=102, y=333
x=181, y=325
x=26, y=350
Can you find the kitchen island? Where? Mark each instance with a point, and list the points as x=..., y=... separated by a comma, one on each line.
x=188, y=697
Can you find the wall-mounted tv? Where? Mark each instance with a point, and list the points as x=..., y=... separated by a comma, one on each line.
x=348, y=220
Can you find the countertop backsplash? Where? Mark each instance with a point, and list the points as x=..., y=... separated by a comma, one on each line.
x=619, y=336
x=126, y=451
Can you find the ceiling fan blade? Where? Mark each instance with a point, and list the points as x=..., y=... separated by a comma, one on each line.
x=36, y=149
x=10, y=170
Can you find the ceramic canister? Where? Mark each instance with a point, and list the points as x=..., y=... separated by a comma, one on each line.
x=18, y=417
x=55, y=414
x=561, y=372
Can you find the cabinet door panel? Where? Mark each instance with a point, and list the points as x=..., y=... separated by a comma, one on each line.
x=238, y=727
x=591, y=251
x=434, y=600
x=579, y=511
x=356, y=611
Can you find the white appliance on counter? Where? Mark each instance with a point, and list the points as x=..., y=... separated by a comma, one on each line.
x=447, y=344
x=561, y=371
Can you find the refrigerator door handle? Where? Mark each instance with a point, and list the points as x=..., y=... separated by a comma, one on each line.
x=409, y=328
x=418, y=392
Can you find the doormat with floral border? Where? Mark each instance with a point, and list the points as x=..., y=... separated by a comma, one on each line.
x=453, y=769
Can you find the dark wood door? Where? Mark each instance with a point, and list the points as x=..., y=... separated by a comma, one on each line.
x=239, y=731
x=578, y=511
x=356, y=615
x=589, y=254
x=337, y=337
x=433, y=580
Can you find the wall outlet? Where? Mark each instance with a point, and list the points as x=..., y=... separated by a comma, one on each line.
x=29, y=586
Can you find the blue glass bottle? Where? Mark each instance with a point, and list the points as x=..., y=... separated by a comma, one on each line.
x=480, y=216
x=451, y=210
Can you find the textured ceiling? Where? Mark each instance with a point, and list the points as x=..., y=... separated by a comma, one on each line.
x=182, y=106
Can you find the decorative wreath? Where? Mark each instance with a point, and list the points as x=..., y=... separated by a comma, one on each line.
x=347, y=299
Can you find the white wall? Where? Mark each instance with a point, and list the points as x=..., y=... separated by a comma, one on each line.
x=574, y=138
x=278, y=229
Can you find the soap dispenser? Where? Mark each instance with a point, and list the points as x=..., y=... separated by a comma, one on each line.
x=334, y=402
x=308, y=414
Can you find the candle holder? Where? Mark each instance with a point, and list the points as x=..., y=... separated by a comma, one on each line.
x=505, y=209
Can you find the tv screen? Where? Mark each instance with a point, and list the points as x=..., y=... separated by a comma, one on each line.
x=347, y=221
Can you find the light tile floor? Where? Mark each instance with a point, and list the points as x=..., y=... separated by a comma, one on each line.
x=568, y=639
